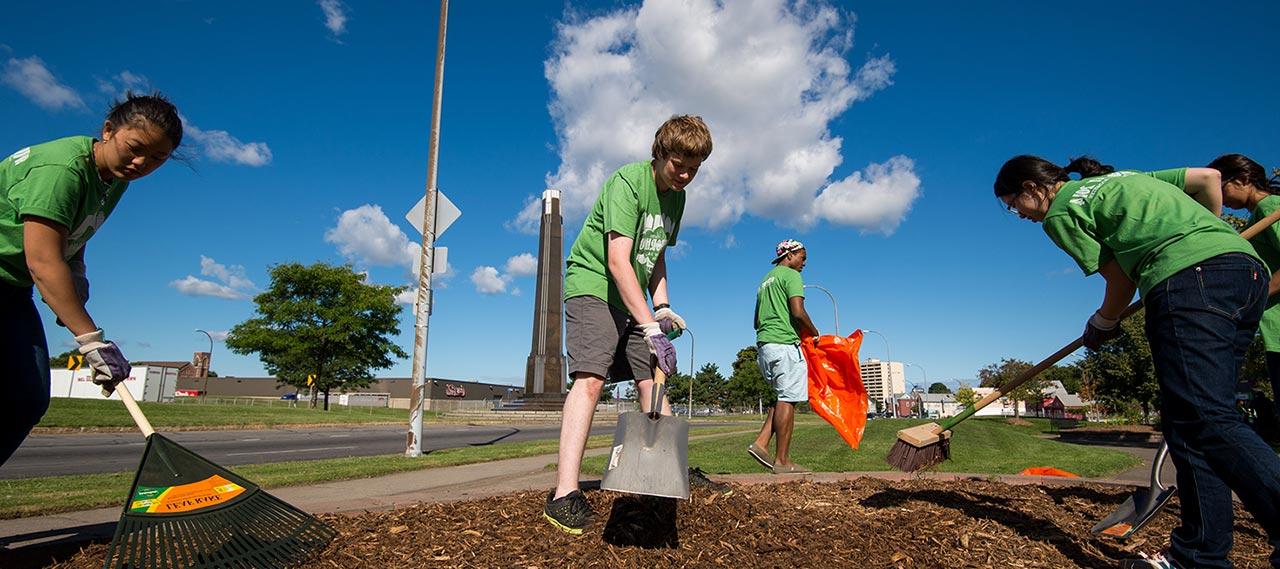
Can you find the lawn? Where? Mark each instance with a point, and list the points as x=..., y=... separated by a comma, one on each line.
x=102, y=413
x=988, y=446
x=39, y=496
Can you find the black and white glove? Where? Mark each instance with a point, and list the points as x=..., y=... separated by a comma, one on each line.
x=1100, y=330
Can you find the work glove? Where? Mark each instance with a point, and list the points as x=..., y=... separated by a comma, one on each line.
x=1100, y=330
x=109, y=365
x=668, y=319
x=661, y=348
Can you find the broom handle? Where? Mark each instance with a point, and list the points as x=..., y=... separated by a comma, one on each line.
x=143, y=424
x=1048, y=362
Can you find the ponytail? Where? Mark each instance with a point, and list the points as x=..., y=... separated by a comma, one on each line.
x=1088, y=167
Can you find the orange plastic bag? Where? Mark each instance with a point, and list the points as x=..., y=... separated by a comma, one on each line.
x=1047, y=471
x=836, y=392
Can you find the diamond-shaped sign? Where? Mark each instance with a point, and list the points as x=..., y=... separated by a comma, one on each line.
x=446, y=214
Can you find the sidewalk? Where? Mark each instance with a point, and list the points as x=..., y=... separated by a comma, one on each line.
x=31, y=541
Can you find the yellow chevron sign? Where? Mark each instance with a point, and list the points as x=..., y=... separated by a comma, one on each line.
x=75, y=362
x=311, y=379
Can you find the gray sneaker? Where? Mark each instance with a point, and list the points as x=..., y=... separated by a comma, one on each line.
x=761, y=455
x=1156, y=561
x=792, y=468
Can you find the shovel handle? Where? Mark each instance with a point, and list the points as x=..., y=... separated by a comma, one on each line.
x=1248, y=233
x=143, y=424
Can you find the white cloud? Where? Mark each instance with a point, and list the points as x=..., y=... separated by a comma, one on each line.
x=367, y=236
x=875, y=200
x=219, y=335
x=31, y=78
x=408, y=296
x=335, y=16
x=488, y=281
x=192, y=286
x=221, y=146
x=765, y=70
x=233, y=276
x=680, y=251
x=233, y=286
x=522, y=265
x=123, y=82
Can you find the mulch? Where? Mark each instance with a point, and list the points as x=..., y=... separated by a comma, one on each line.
x=862, y=522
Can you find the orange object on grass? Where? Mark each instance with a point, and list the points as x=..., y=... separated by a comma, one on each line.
x=836, y=392
x=1047, y=471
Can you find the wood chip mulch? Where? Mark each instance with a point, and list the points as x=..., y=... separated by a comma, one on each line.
x=858, y=523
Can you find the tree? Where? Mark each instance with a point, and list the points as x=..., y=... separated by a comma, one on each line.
x=1008, y=369
x=321, y=321
x=939, y=387
x=966, y=397
x=60, y=361
x=746, y=386
x=1120, y=375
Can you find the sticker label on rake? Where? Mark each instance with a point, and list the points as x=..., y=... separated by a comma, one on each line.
x=613, y=457
x=211, y=491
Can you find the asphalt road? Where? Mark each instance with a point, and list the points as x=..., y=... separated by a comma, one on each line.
x=90, y=453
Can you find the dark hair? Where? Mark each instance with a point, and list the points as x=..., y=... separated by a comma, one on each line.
x=1042, y=172
x=1240, y=168
x=137, y=110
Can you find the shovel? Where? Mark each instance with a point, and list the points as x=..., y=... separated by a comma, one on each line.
x=1139, y=508
x=650, y=453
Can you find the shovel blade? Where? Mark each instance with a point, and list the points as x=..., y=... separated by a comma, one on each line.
x=1134, y=513
x=649, y=456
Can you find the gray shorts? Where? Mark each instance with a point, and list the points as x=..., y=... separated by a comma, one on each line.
x=784, y=367
x=603, y=341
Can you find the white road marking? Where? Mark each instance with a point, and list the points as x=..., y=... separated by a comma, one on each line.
x=288, y=451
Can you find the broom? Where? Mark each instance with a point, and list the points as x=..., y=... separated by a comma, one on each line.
x=184, y=511
x=926, y=445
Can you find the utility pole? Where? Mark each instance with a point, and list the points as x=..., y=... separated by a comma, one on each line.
x=422, y=307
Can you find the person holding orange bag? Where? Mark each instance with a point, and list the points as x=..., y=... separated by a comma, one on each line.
x=780, y=321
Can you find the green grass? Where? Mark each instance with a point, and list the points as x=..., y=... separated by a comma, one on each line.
x=101, y=413
x=39, y=496
x=978, y=446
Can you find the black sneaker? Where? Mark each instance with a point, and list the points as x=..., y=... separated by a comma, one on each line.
x=698, y=479
x=571, y=513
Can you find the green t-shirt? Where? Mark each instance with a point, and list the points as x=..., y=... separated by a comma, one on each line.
x=773, y=311
x=57, y=181
x=630, y=205
x=1136, y=219
x=1267, y=244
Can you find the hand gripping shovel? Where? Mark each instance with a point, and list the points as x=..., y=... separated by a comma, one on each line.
x=650, y=451
x=1139, y=508
x=184, y=511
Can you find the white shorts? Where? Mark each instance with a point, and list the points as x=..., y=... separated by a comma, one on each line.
x=783, y=366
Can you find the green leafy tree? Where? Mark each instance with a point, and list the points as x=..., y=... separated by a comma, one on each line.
x=1008, y=369
x=1069, y=375
x=747, y=386
x=1120, y=375
x=60, y=361
x=966, y=397
x=939, y=387
x=323, y=321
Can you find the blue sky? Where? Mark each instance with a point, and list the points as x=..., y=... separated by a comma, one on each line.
x=871, y=131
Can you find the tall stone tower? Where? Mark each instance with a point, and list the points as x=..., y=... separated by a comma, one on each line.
x=544, y=376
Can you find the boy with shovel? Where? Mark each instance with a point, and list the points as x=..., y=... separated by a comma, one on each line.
x=779, y=317
x=610, y=329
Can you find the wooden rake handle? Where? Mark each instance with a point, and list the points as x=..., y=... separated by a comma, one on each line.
x=1248, y=233
x=143, y=424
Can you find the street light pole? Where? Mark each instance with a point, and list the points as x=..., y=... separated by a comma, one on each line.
x=208, y=362
x=888, y=396
x=834, y=306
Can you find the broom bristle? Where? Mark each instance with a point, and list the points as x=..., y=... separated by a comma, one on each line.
x=909, y=458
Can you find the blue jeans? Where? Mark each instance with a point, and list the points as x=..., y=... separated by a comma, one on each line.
x=24, y=368
x=1200, y=321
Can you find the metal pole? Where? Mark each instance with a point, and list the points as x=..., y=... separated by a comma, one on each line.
x=689, y=412
x=834, y=306
x=207, y=364
x=888, y=396
x=422, y=307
